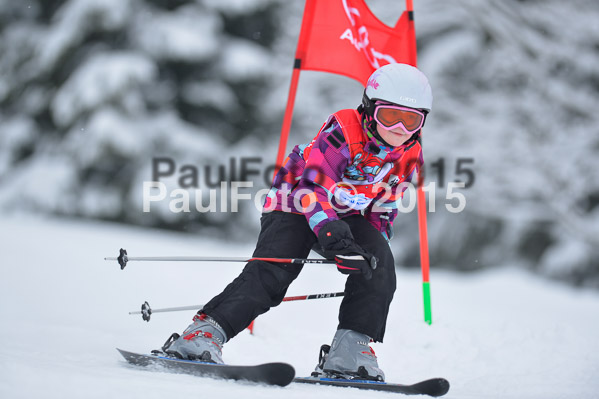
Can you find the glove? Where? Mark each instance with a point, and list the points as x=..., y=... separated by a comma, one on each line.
x=355, y=264
x=338, y=243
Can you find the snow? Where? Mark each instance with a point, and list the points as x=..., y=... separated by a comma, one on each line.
x=47, y=181
x=234, y=7
x=74, y=22
x=495, y=334
x=187, y=34
x=242, y=60
x=215, y=94
x=104, y=77
x=105, y=86
x=17, y=133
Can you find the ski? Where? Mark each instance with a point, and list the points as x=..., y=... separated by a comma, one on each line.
x=280, y=374
x=433, y=387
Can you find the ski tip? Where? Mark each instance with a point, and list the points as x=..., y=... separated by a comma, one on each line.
x=126, y=354
x=281, y=374
x=433, y=387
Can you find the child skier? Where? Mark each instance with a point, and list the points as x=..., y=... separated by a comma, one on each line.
x=337, y=194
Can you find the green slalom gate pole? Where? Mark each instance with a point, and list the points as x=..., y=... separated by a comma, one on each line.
x=420, y=197
x=424, y=259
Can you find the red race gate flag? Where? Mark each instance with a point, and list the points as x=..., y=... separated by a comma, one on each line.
x=344, y=37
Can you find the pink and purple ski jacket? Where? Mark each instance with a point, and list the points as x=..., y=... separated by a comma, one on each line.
x=345, y=170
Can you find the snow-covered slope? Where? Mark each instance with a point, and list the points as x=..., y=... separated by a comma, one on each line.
x=63, y=310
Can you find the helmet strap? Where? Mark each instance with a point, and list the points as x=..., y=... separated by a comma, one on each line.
x=368, y=122
x=367, y=105
x=380, y=139
x=369, y=125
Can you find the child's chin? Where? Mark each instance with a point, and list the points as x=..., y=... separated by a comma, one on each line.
x=400, y=136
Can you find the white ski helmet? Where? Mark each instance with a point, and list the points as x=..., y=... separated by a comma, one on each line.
x=400, y=84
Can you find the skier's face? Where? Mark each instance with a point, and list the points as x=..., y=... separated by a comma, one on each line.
x=394, y=137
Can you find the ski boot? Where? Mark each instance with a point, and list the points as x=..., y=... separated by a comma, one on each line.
x=322, y=358
x=349, y=357
x=201, y=341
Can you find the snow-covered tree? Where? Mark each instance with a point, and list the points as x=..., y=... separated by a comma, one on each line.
x=515, y=87
x=91, y=91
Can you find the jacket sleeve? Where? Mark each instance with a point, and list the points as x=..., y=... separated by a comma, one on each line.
x=324, y=168
x=382, y=214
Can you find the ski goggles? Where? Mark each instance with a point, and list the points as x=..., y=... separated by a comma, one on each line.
x=393, y=116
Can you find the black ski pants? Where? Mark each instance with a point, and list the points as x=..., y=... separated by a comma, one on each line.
x=262, y=285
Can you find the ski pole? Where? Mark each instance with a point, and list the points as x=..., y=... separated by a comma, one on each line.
x=146, y=311
x=123, y=258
